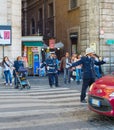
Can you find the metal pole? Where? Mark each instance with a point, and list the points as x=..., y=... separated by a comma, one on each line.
x=3, y=50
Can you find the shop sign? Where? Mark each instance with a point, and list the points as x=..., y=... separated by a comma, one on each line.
x=34, y=49
x=52, y=43
x=5, y=35
x=101, y=33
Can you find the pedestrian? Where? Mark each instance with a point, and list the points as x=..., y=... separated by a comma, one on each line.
x=87, y=62
x=73, y=70
x=98, y=68
x=18, y=63
x=7, y=68
x=52, y=69
x=78, y=71
x=64, y=64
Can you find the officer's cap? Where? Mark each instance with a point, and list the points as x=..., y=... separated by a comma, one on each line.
x=89, y=50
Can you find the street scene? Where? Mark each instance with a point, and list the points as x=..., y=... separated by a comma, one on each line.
x=42, y=107
x=56, y=64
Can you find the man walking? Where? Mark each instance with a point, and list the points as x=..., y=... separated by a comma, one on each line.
x=64, y=65
x=87, y=63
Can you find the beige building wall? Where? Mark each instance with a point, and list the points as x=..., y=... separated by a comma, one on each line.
x=67, y=21
x=10, y=14
x=97, y=16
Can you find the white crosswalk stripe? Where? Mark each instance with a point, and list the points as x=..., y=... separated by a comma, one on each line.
x=38, y=107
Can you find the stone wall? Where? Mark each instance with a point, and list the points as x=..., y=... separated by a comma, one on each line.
x=10, y=12
x=107, y=23
x=97, y=16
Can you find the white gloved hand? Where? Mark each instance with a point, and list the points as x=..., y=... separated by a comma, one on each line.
x=106, y=59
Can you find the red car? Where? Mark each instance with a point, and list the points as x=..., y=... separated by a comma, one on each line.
x=101, y=96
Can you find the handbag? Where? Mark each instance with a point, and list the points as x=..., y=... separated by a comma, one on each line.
x=73, y=73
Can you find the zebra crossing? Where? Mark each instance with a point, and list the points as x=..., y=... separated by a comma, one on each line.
x=40, y=108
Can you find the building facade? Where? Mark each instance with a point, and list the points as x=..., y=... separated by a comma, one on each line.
x=10, y=15
x=76, y=23
x=97, y=28
x=67, y=24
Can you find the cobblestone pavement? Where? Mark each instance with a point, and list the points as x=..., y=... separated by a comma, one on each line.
x=45, y=108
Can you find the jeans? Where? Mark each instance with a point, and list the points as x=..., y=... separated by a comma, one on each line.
x=8, y=76
x=78, y=74
x=67, y=74
x=98, y=74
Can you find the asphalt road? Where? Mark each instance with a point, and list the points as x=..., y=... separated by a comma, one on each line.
x=45, y=108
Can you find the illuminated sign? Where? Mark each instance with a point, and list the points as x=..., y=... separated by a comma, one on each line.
x=5, y=35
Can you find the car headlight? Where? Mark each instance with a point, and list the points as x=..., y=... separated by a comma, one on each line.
x=112, y=94
x=91, y=87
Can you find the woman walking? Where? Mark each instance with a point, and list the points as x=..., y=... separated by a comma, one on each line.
x=7, y=65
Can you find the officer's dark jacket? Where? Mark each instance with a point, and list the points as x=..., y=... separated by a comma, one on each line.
x=87, y=66
x=51, y=65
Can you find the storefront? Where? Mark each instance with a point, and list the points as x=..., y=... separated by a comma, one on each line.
x=31, y=52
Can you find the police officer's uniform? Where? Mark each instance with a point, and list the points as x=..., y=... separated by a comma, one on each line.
x=52, y=71
x=88, y=72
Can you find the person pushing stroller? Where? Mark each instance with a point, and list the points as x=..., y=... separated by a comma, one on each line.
x=18, y=63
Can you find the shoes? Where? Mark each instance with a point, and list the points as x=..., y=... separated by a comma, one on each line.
x=10, y=84
x=6, y=84
x=78, y=82
x=84, y=101
x=65, y=82
x=57, y=86
x=71, y=79
x=51, y=86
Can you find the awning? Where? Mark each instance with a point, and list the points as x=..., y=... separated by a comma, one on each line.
x=32, y=43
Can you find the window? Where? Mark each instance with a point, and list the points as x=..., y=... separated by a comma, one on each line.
x=40, y=14
x=50, y=9
x=33, y=26
x=73, y=4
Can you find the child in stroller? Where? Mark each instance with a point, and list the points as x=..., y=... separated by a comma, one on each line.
x=19, y=74
x=22, y=81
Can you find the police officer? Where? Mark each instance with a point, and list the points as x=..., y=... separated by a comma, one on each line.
x=87, y=62
x=52, y=69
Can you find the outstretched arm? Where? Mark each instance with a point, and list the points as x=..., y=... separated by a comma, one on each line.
x=44, y=64
x=99, y=62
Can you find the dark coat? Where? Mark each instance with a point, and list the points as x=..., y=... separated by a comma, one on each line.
x=18, y=64
x=51, y=66
x=88, y=66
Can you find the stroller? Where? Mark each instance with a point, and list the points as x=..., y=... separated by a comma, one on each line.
x=21, y=80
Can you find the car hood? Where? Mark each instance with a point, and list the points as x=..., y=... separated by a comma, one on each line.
x=106, y=81
x=103, y=86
